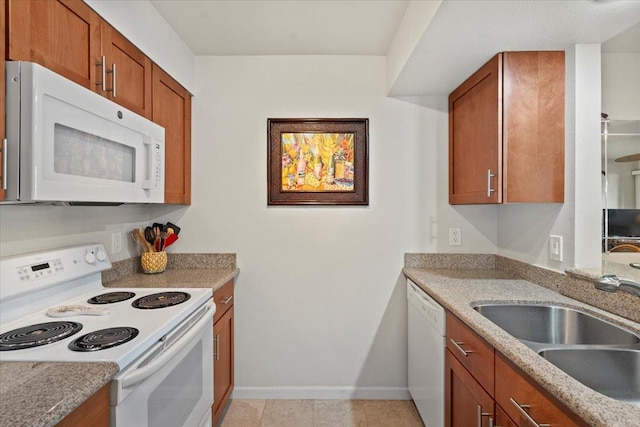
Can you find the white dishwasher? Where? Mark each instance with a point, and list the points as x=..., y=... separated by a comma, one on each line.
x=426, y=324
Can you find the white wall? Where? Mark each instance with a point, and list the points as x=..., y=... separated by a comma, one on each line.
x=320, y=301
x=29, y=228
x=621, y=85
x=523, y=230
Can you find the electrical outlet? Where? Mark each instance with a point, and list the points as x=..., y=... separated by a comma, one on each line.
x=116, y=242
x=455, y=237
x=555, y=248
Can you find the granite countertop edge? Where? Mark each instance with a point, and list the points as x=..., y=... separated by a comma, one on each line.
x=41, y=394
x=457, y=293
x=213, y=278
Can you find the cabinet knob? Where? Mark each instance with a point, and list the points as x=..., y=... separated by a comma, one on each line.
x=522, y=409
x=458, y=345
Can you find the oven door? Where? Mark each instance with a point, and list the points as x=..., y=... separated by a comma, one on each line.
x=172, y=384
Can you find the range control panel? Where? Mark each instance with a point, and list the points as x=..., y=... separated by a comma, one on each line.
x=33, y=271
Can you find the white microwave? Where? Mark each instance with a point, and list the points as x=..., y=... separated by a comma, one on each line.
x=68, y=144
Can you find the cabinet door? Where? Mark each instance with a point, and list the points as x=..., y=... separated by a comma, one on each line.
x=3, y=133
x=172, y=110
x=475, y=137
x=128, y=80
x=466, y=402
x=62, y=35
x=533, y=102
x=222, y=363
x=502, y=419
x=93, y=412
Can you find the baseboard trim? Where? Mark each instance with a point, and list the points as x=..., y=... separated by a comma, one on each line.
x=324, y=393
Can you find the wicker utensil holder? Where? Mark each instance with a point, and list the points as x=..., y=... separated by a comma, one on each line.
x=153, y=262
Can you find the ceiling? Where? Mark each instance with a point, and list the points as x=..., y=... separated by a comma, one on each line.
x=461, y=37
x=289, y=27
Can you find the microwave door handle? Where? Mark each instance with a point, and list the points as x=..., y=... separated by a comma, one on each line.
x=153, y=165
x=142, y=374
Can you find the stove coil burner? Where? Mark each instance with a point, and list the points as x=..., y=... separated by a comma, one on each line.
x=161, y=300
x=111, y=297
x=37, y=335
x=103, y=339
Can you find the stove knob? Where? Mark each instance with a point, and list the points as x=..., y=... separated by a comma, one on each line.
x=90, y=258
x=101, y=255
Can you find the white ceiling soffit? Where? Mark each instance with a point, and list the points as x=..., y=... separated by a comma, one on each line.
x=464, y=34
x=290, y=27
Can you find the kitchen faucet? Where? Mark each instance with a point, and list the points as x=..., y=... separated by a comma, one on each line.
x=611, y=283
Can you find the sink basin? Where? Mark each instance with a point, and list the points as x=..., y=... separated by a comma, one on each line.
x=613, y=372
x=551, y=324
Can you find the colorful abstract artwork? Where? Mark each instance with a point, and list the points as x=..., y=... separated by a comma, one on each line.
x=318, y=161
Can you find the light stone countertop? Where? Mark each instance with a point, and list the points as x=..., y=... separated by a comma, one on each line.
x=457, y=289
x=40, y=394
x=213, y=278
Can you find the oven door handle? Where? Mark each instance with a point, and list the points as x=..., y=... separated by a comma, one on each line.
x=142, y=374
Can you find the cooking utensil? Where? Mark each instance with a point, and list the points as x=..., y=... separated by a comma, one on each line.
x=139, y=235
x=150, y=235
x=170, y=240
x=173, y=227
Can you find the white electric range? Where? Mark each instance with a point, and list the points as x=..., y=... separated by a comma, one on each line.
x=54, y=308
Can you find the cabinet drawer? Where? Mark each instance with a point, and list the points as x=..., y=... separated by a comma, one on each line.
x=522, y=399
x=473, y=352
x=223, y=298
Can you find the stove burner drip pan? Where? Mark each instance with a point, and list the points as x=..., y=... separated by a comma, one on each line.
x=160, y=300
x=37, y=335
x=111, y=297
x=103, y=339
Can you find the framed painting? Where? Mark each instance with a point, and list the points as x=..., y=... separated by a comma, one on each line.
x=317, y=161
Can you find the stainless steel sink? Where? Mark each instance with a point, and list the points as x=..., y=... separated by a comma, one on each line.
x=614, y=372
x=551, y=324
x=599, y=354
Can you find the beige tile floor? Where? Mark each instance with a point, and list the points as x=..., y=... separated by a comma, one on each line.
x=322, y=413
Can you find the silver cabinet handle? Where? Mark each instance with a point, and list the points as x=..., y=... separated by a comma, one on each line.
x=226, y=300
x=489, y=189
x=484, y=414
x=216, y=347
x=112, y=71
x=102, y=65
x=525, y=414
x=458, y=346
x=113, y=79
x=4, y=164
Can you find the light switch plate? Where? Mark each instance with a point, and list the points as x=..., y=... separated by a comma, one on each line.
x=555, y=248
x=116, y=242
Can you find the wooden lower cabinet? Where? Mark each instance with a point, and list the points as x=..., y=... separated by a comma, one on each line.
x=93, y=412
x=509, y=399
x=222, y=350
x=502, y=419
x=525, y=402
x=466, y=402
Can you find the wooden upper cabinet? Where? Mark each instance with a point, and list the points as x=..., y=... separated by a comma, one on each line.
x=506, y=131
x=172, y=110
x=62, y=35
x=127, y=72
x=475, y=133
x=3, y=133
